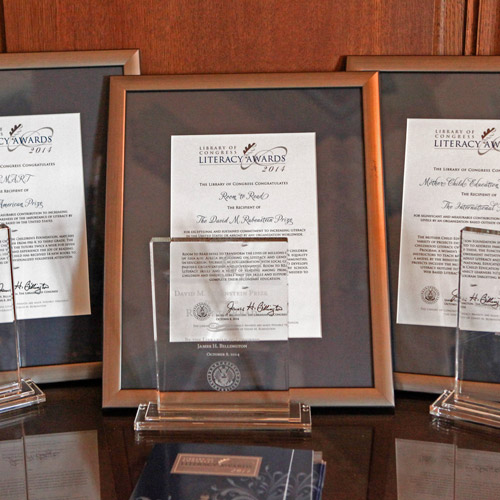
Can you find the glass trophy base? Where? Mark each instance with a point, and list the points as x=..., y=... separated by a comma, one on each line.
x=15, y=396
x=295, y=417
x=446, y=406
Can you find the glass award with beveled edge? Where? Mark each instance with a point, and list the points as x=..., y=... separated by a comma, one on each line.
x=15, y=391
x=476, y=394
x=220, y=314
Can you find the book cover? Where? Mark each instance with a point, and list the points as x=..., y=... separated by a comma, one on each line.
x=223, y=472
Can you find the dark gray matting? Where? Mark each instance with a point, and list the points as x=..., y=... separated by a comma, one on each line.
x=343, y=357
x=84, y=90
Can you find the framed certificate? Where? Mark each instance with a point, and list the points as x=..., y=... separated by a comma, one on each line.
x=54, y=109
x=436, y=96
x=288, y=155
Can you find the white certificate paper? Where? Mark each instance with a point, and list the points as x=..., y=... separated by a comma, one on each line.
x=228, y=291
x=254, y=185
x=451, y=180
x=42, y=201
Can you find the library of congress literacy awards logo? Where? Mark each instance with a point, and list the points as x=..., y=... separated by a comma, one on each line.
x=19, y=137
x=468, y=139
x=270, y=158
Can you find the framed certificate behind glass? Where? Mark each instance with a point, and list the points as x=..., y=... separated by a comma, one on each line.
x=450, y=103
x=53, y=143
x=282, y=155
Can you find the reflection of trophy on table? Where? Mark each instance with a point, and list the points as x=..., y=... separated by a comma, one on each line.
x=63, y=465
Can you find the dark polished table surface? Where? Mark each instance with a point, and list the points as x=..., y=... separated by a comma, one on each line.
x=370, y=454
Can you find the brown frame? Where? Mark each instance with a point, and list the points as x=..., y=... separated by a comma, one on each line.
x=428, y=64
x=129, y=61
x=382, y=392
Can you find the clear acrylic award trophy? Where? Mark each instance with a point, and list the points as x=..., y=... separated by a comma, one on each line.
x=220, y=310
x=476, y=394
x=15, y=391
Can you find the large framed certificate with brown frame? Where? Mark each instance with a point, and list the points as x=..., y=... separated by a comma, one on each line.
x=349, y=363
x=57, y=83
x=424, y=87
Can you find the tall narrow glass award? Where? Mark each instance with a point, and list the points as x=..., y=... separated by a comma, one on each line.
x=476, y=394
x=220, y=310
x=15, y=391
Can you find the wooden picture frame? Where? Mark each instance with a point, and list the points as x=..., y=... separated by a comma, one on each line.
x=351, y=364
x=68, y=348
x=458, y=87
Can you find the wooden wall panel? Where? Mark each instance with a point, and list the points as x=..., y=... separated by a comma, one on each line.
x=205, y=36
x=488, y=28
x=2, y=28
x=449, y=27
x=471, y=19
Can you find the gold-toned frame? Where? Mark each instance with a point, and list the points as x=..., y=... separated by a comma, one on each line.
x=382, y=393
x=129, y=60
x=452, y=64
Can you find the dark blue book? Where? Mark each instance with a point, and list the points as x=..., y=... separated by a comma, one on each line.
x=319, y=470
x=223, y=472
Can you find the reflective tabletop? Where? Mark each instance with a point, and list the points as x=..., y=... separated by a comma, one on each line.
x=70, y=448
